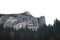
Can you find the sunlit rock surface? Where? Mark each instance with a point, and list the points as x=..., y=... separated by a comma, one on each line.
x=18, y=21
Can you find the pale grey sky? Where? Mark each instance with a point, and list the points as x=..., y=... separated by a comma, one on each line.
x=49, y=8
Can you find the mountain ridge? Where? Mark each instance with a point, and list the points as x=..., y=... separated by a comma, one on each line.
x=23, y=19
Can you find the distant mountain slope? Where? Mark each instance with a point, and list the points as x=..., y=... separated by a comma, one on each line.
x=21, y=20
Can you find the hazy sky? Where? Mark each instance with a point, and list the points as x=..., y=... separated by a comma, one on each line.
x=48, y=8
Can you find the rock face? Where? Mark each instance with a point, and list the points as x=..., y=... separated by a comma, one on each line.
x=41, y=21
x=18, y=21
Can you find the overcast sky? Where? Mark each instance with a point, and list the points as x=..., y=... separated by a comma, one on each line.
x=48, y=8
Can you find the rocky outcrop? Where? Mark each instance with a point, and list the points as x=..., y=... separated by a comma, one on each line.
x=21, y=20
x=41, y=21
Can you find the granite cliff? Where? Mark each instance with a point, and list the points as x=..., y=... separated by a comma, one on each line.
x=18, y=21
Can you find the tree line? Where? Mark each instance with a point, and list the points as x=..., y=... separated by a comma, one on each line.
x=46, y=32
